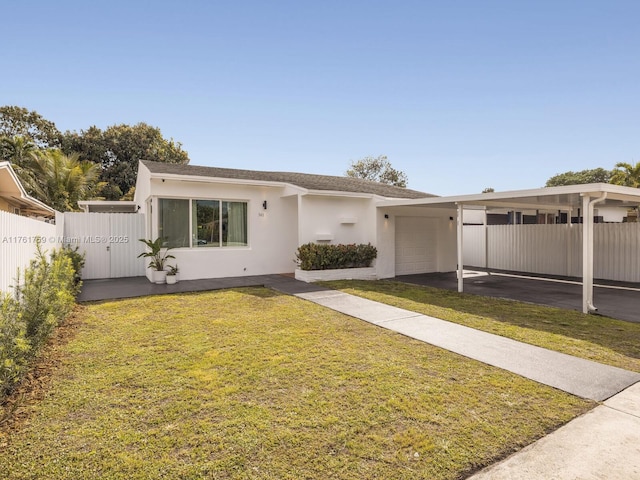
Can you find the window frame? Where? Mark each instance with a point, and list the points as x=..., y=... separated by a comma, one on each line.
x=191, y=202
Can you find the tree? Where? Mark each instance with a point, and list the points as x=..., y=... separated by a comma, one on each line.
x=488, y=190
x=118, y=149
x=60, y=180
x=595, y=175
x=20, y=122
x=626, y=174
x=377, y=170
x=17, y=150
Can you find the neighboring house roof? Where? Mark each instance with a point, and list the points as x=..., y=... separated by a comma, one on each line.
x=14, y=193
x=105, y=206
x=303, y=180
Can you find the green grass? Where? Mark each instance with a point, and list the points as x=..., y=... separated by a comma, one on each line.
x=598, y=338
x=251, y=384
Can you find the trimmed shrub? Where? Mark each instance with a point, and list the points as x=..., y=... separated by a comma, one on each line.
x=314, y=256
x=42, y=299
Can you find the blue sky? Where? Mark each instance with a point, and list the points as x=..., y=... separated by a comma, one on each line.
x=460, y=95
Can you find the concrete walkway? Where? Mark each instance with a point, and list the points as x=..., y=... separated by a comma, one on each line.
x=604, y=443
x=577, y=376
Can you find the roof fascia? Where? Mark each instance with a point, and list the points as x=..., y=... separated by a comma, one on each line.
x=24, y=196
x=521, y=206
x=238, y=181
x=628, y=193
x=340, y=193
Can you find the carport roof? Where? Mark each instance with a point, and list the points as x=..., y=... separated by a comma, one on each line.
x=567, y=197
x=553, y=198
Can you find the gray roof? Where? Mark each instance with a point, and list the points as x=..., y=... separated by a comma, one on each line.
x=304, y=180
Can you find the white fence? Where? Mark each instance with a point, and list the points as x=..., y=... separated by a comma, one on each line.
x=555, y=249
x=109, y=242
x=18, y=244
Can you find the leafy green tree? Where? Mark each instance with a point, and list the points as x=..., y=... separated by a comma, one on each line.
x=595, y=175
x=118, y=149
x=60, y=180
x=18, y=150
x=626, y=174
x=20, y=122
x=377, y=170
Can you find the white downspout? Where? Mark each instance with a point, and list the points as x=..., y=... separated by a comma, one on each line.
x=486, y=240
x=587, y=251
x=569, y=242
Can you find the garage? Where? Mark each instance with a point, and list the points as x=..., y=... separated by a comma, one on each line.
x=416, y=245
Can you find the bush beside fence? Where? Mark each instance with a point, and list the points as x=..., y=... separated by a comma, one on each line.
x=43, y=297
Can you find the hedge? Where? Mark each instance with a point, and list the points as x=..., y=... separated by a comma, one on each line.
x=313, y=256
x=41, y=300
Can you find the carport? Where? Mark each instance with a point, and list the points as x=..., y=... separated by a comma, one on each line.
x=574, y=200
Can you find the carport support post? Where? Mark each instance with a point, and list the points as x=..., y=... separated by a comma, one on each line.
x=460, y=259
x=587, y=251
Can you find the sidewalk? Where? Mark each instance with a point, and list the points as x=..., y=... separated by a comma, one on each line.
x=602, y=444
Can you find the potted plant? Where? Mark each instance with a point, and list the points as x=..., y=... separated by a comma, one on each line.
x=172, y=275
x=157, y=257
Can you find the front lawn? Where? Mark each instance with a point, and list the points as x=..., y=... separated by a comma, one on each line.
x=597, y=338
x=248, y=383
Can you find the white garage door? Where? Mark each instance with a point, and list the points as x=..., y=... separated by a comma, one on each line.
x=416, y=245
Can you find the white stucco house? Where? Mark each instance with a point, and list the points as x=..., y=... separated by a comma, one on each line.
x=225, y=222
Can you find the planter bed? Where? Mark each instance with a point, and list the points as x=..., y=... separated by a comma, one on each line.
x=367, y=273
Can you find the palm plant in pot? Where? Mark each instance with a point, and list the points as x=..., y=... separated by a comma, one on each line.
x=172, y=275
x=158, y=258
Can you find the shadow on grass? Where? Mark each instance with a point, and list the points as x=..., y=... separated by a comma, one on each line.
x=617, y=335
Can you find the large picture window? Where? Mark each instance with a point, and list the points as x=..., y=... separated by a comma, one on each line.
x=214, y=223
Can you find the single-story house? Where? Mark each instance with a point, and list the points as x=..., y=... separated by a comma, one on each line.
x=225, y=222
x=15, y=199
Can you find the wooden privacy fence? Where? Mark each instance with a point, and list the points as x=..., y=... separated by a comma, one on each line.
x=18, y=244
x=555, y=249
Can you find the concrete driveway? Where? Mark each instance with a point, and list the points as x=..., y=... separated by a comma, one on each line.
x=613, y=299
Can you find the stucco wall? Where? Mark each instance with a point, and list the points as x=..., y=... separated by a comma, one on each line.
x=339, y=219
x=142, y=188
x=272, y=233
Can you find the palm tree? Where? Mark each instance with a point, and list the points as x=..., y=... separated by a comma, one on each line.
x=626, y=174
x=60, y=180
x=18, y=150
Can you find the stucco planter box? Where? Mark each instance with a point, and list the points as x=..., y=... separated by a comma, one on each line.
x=368, y=273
